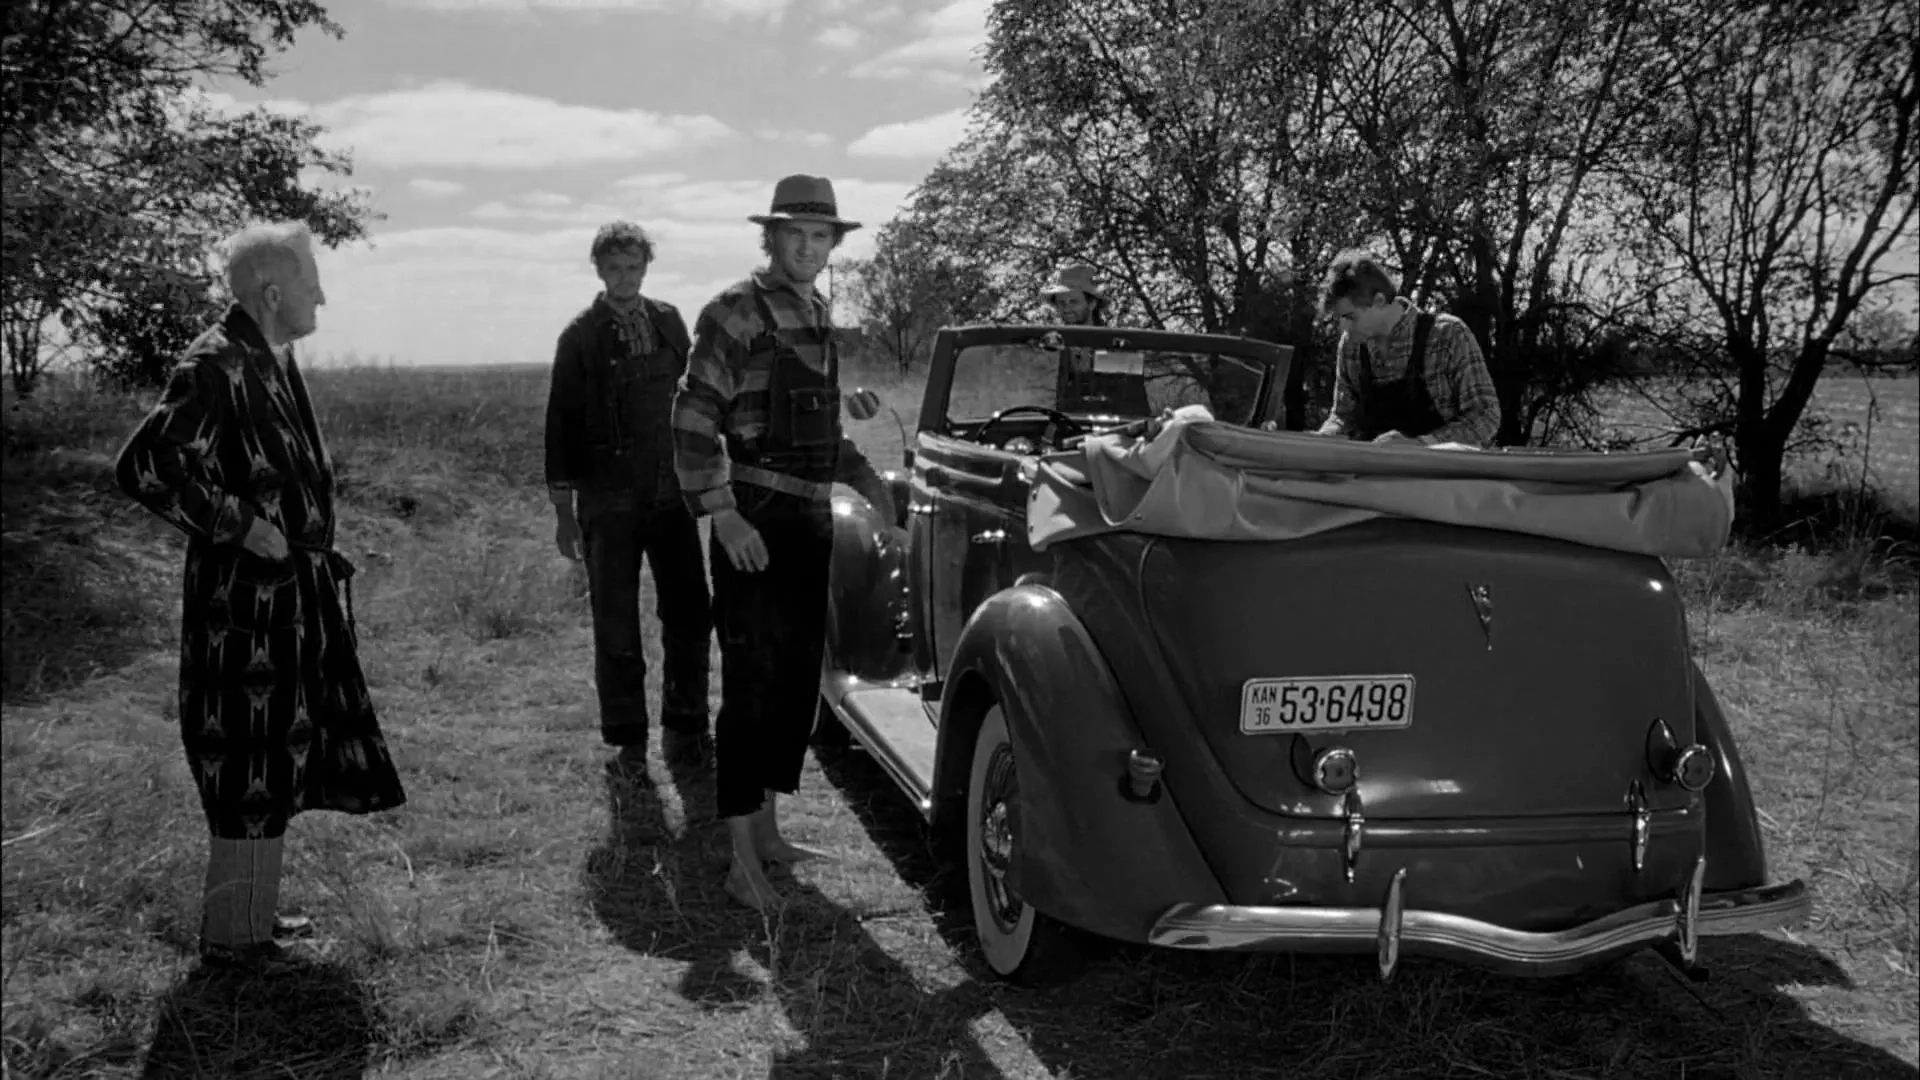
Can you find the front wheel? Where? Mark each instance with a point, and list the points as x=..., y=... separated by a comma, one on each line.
x=1020, y=944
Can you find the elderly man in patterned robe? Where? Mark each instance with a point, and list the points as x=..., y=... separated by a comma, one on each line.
x=275, y=716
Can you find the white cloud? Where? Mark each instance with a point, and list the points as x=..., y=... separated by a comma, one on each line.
x=435, y=189
x=803, y=138
x=840, y=36
x=927, y=137
x=450, y=124
x=943, y=49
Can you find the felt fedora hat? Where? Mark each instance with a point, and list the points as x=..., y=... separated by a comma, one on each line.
x=804, y=198
x=1076, y=278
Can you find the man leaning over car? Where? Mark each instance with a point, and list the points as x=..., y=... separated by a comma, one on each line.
x=1403, y=374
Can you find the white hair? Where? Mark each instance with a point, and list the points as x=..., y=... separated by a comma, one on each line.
x=266, y=254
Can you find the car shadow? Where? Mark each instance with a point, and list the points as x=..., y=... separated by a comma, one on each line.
x=316, y=1021
x=856, y=1010
x=1145, y=1012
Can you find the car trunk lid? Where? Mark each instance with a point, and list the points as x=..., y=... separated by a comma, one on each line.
x=1530, y=671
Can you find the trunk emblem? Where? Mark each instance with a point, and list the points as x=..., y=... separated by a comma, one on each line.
x=1482, y=598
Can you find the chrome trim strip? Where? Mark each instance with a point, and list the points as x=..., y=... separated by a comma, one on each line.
x=1226, y=927
x=834, y=688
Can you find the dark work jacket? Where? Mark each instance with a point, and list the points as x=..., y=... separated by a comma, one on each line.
x=609, y=409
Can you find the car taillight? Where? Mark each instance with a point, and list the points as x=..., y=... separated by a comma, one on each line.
x=1693, y=769
x=1335, y=770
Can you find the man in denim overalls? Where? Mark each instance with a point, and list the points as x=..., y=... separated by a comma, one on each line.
x=610, y=448
x=758, y=446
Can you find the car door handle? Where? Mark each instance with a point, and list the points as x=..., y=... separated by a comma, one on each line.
x=946, y=479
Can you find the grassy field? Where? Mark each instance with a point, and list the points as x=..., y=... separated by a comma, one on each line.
x=530, y=914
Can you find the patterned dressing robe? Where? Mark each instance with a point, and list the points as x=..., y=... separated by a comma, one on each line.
x=274, y=711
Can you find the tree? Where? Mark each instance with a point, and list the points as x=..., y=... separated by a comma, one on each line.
x=1763, y=225
x=117, y=175
x=908, y=289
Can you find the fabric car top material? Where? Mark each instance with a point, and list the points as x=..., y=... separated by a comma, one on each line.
x=1202, y=479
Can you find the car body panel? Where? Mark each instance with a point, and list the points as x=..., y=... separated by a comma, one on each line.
x=1524, y=821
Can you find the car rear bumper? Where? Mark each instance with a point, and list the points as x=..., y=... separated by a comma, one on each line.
x=1391, y=929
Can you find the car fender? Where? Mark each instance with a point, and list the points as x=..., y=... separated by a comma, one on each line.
x=1088, y=854
x=1735, y=848
x=867, y=590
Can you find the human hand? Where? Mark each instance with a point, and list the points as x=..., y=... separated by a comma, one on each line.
x=567, y=536
x=1393, y=437
x=264, y=540
x=741, y=541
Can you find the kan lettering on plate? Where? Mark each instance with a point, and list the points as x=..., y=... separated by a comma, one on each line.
x=1340, y=703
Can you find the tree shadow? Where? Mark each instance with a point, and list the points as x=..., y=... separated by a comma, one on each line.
x=1144, y=1012
x=315, y=1022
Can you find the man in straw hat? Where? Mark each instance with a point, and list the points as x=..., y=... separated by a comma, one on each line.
x=758, y=446
x=1077, y=300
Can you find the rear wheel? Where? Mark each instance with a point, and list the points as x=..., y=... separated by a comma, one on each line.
x=1020, y=944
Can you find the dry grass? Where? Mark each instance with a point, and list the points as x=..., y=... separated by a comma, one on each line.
x=530, y=914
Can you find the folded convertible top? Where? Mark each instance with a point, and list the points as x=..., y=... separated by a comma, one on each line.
x=1203, y=479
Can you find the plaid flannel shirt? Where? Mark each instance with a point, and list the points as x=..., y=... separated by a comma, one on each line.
x=1457, y=379
x=723, y=394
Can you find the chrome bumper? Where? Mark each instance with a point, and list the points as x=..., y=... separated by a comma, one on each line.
x=1391, y=929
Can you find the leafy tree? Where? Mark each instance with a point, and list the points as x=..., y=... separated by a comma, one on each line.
x=1765, y=222
x=117, y=175
x=908, y=289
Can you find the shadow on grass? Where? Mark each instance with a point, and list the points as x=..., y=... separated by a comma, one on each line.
x=1146, y=1012
x=859, y=1011
x=67, y=609
x=315, y=1022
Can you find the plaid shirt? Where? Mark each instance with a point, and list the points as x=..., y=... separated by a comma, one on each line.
x=722, y=394
x=1457, y=379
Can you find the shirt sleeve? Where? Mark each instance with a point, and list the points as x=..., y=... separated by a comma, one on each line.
x=705, y=396
x=1340, y=418
x=1459, y=382
x=566, y=402
x=168, y=464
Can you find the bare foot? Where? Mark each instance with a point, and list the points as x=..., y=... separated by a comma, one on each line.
x=749, y=886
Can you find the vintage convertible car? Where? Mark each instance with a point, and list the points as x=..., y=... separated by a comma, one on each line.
x=1207, y=686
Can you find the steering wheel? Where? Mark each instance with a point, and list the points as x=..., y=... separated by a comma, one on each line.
x=1055, y=415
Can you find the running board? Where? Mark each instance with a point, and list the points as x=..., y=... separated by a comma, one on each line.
x=890, y=720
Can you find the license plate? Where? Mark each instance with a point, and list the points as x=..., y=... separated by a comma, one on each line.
x=1343, y=703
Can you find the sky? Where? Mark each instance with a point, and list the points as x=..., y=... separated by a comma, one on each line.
x=497, y=135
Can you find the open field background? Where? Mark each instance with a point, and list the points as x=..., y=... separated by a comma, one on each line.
x=528, y=914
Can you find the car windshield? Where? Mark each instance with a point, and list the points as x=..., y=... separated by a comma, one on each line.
x=1102, y=384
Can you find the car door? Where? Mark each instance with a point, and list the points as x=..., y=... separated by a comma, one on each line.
x=969, y=494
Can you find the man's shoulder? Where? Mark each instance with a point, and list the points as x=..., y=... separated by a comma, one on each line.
x=216, y=351
x=735, y=309
x=1452, y=330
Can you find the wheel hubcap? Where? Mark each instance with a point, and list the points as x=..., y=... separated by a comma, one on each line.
x=996, y=839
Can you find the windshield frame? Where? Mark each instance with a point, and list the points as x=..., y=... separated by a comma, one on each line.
x=950, y=342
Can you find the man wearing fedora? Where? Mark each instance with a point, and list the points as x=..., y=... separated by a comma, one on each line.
x=758, y=446
x=1076, y=300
